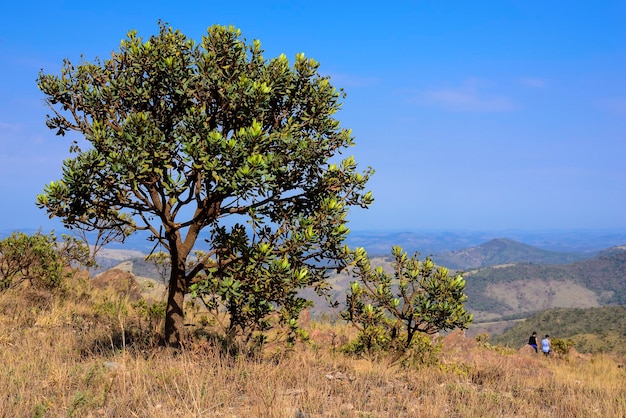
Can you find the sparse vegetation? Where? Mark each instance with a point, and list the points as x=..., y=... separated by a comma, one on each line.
x=62, y=358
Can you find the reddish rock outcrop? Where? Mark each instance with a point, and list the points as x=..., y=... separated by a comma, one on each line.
x=120, y=281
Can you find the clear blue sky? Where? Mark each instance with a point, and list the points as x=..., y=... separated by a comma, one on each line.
x=476, y=115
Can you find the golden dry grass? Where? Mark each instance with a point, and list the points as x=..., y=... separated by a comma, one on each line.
x=62, y=357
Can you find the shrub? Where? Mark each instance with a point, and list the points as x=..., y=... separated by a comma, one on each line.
x=30, y=258
x=389, y=311
x=561, y=346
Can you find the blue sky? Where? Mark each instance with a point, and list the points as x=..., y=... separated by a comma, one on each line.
x=487, y=115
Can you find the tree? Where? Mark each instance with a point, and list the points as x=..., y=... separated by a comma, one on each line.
x=390, y=310
x=210, y=137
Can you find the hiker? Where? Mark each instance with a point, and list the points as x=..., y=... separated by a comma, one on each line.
x=532, y=341
x=545, y=345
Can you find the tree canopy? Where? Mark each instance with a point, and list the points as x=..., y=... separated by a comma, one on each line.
x=178, y=137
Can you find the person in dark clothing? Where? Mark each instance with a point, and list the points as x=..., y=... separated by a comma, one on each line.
x=532, y=341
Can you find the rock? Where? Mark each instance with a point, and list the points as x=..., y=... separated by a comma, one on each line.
x=456, y=340
x=120, y=281
x=339, y=376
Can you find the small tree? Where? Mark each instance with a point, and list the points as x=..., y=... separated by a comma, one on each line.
x=75, y=252
x=212, y=137
x=389, y=310
x=106, y=231
x=38, y=259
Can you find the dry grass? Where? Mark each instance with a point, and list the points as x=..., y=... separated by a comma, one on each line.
x=62, y=357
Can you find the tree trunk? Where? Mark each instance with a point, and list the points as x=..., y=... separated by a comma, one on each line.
x=178, y=285
x=174, y=314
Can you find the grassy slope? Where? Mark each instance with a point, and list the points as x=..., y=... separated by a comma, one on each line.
x=62, y=356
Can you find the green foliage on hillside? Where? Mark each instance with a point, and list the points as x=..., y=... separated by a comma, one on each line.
x=593, y=330
x=605, y=275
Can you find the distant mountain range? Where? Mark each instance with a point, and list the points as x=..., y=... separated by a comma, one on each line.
x=435, y=242
x=438, y=243
x=504, y=251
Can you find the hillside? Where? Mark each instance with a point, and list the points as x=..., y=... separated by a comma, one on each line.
x=92, y=353
x=592, y=330
x=494, y=252
x=516, y=290
x=526, y=288
x=498, y=296
x=109, y=258
x=503, y=251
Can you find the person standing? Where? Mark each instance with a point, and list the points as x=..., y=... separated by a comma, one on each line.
x=546, y=346
x=532, y=341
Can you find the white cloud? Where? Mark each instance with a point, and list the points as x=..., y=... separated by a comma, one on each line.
x=467, y=98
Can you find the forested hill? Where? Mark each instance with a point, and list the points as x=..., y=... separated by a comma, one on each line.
x=529, y=287
x=503, y=251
